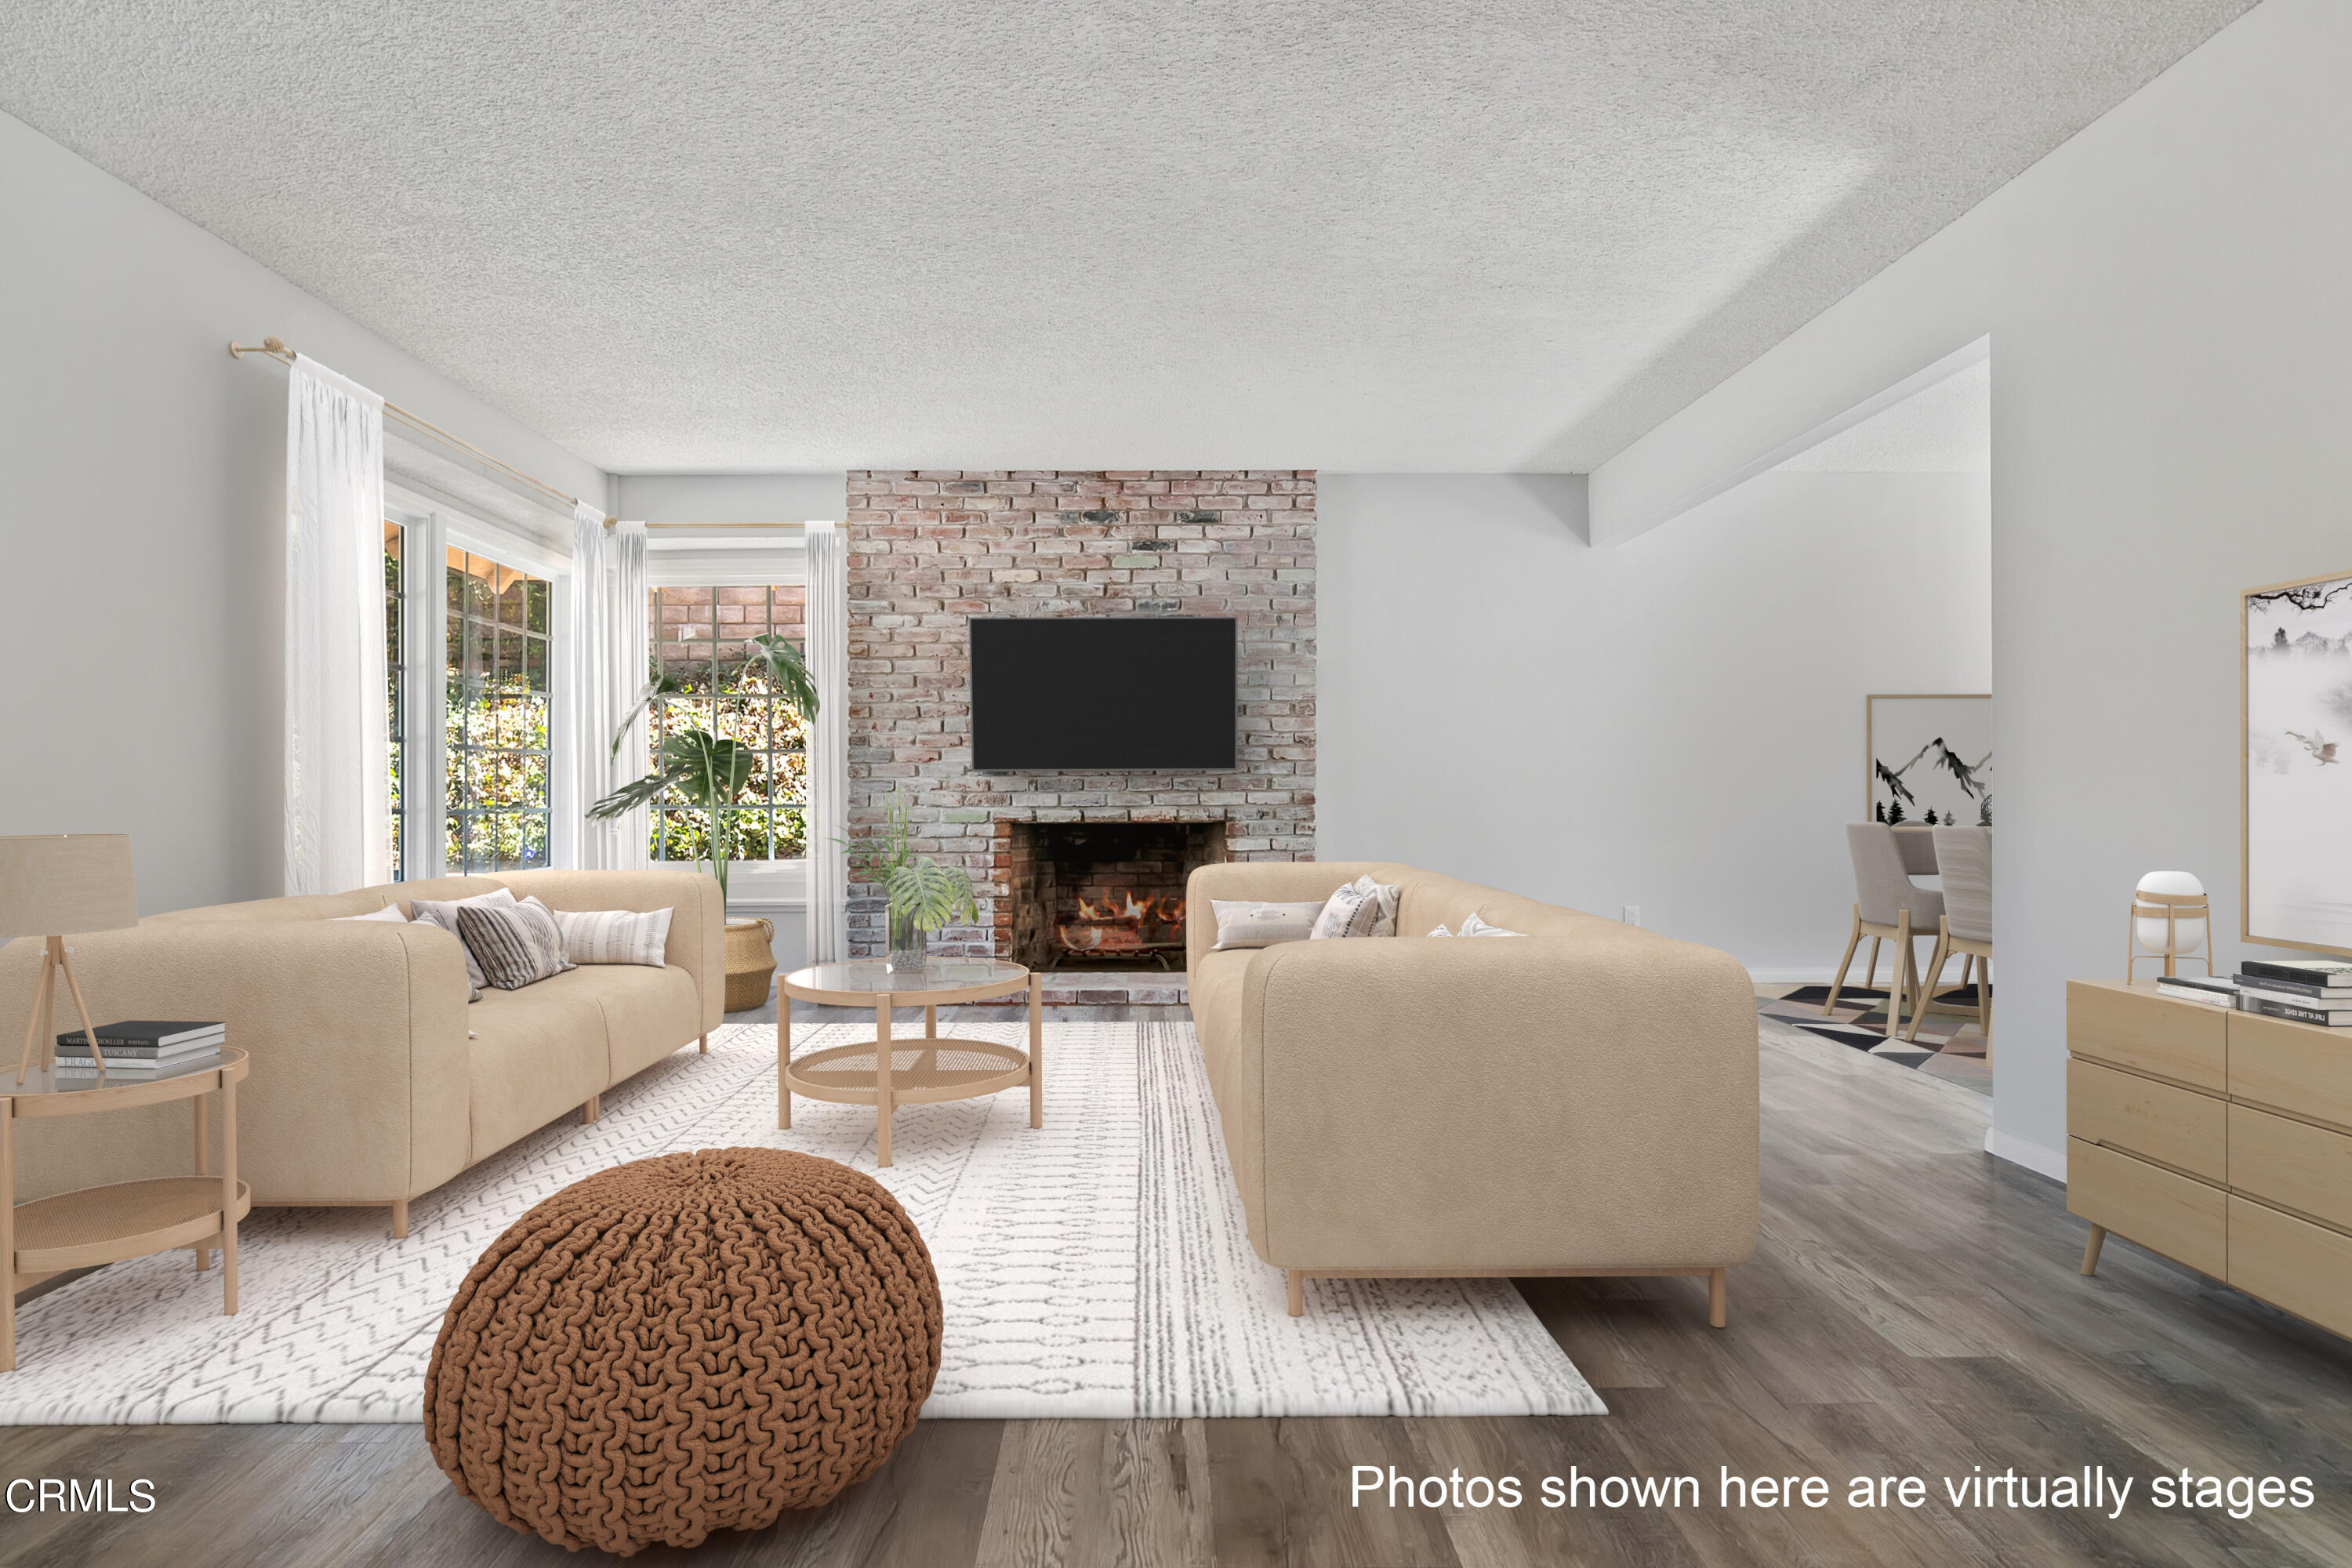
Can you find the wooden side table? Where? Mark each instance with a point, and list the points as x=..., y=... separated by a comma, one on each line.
x=122, y=1219
x=944, y=1069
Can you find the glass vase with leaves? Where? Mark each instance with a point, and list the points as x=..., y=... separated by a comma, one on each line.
x=709, y=771
x=924, y=894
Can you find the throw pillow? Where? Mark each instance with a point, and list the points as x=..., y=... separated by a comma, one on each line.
x=444, y=913
x=1362, y=908
x=1242, y=922
x=515, y=944
x=612, y=936
x=1474, y=926
x=389, y=912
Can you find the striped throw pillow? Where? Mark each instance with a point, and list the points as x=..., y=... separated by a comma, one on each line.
x=613, y=936
x=1362, y=908
x=442, y=912
x=515, y=944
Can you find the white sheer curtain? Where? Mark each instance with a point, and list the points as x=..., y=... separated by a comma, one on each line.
x=828, y=743
x=607, y=674
x=338, y=726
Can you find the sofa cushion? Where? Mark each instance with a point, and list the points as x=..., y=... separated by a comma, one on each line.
x=648, y=1013
x=1214, y=992
x=535, y=1054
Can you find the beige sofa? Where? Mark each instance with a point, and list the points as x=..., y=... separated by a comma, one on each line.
x=1580, y=1100
x=372, y=1080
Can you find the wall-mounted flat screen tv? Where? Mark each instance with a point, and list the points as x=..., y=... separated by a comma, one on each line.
x=1152, y=694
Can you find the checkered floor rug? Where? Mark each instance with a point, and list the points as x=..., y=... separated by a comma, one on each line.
x=1950, y=1045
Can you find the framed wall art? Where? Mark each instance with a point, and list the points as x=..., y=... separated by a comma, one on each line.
x=2294, y=682
x=1931, y=759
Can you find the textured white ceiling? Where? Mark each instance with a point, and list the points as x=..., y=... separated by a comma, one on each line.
x=1351, y=233
x=1946, y=429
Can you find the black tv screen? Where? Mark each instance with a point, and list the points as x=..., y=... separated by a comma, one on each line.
x=1147, y=695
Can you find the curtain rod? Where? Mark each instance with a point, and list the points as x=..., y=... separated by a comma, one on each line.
x=275, y=348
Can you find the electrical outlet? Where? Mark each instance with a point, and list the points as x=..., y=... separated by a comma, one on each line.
x=1632, y=914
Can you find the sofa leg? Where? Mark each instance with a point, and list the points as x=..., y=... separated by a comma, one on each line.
x=1297, y=1293
x=704, y=1049
x=591, y=1110
x=1717, y=1315
x=400, y=1219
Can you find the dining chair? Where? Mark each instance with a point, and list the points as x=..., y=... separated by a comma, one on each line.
x=1887, y=907
x=1964, y=861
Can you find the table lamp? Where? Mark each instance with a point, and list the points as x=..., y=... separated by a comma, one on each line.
x=53, y=886
x=2170, y=911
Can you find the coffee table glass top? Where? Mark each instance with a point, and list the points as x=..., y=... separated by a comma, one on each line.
x=874, y=977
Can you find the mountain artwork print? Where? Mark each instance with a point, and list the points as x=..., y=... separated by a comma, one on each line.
x=2297, y=855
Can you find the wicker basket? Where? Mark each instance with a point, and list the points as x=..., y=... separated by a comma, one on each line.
x=750, y=962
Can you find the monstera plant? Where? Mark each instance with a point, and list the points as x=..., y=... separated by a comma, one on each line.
x=924, y=894
x=708, y=770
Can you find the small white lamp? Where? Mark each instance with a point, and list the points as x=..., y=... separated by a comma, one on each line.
x=53, y=886
x=2170, y=915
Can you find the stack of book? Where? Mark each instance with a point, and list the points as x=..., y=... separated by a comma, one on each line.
x=2197, y=988
x=2305, y=990
x=140, y=1047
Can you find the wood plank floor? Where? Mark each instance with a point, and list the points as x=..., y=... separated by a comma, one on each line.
x=1914, y=1309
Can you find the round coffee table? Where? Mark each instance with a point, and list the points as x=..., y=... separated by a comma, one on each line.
x=885, y=1073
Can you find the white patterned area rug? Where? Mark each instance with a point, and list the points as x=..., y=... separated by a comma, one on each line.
x=1096, y=1267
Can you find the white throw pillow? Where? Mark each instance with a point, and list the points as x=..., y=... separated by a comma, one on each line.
x=1244, y=922
x=389, y=912
x=1474, y=926
x=612, y=936
x=444, y=913
x=1362, y=908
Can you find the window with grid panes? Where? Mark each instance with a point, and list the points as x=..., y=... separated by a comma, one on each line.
x=496, y=724
x=699, y=638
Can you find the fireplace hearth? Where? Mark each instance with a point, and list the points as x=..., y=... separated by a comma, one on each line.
x=1101, y=895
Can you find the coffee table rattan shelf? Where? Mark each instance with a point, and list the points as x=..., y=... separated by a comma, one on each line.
x=123, y=1219
x=887, y=1072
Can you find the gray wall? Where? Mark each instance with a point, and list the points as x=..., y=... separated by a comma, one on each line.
x=1676, y=723
x=141, y=544
x=2171, y=334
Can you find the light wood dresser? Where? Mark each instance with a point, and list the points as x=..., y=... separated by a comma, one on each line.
x=2222, y=1139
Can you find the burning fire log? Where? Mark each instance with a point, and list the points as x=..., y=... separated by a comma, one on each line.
x=1129, y=925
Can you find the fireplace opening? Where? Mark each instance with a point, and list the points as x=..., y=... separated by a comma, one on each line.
x=1102, y=894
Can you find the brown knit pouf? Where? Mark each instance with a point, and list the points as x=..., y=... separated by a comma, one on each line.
x=683, y=1344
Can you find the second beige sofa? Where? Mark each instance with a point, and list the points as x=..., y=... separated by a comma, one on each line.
x=372, y=1080
x=1582, y=1100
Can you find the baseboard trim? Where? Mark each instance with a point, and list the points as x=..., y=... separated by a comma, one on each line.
x=1795, y=976
x=2009, y=1146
